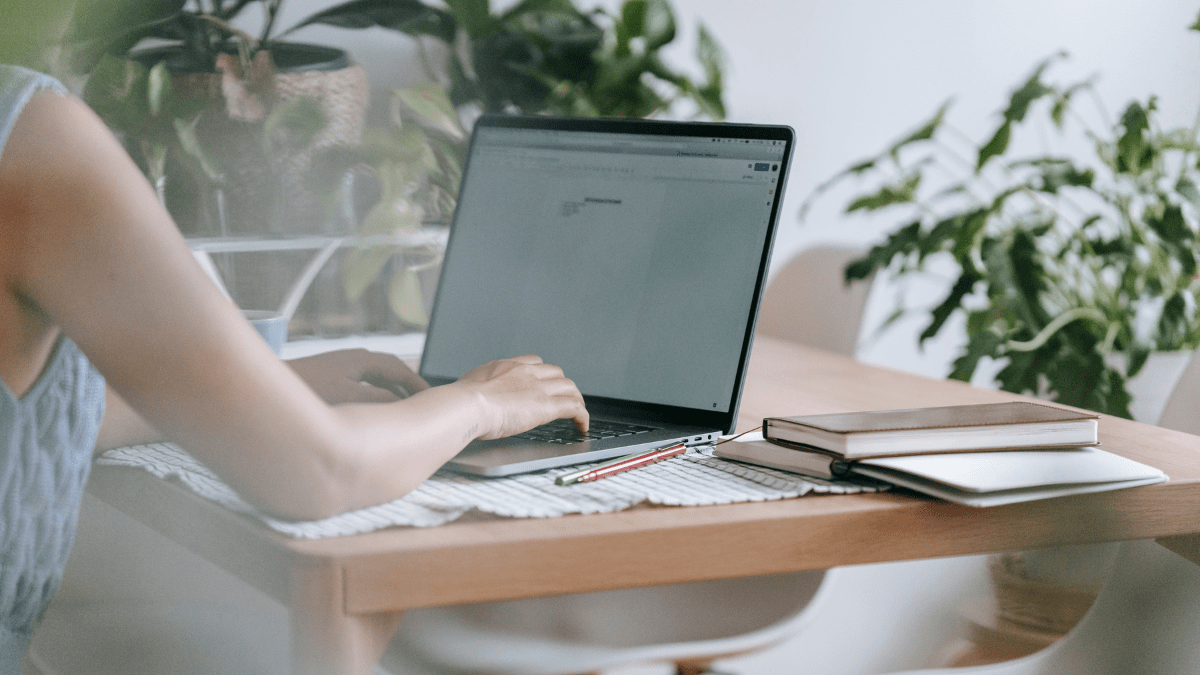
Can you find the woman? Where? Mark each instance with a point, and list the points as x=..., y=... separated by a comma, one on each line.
x=110, y=334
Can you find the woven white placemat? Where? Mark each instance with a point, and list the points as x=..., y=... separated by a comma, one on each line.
x=694, y=479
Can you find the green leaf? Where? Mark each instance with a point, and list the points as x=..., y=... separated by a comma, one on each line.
x=155, y=155
x=659, y=27
x=1033, y=89
x=114, y=27
x=711, y=57
x=861, y=268
x=1081, y=378
x=962, y=288
x=159, y=92
x=1173, y=323
x=633, y=18
x=185, y=131
x=1135, y=153
x=475, y=16
x=996, y=146
x=397, y=208
x=863, y=166
x=903, y=192
x=980, y=344
x=1055, y=173
x=890, y=320
x=1187, y=189
x=117, y=92
x=1171, y=226
x=361, y=267
x=450, y=163
x=942, y=232
x=1175, y=139
x=1117, y=397
x=899, y=243
x=1196, y=25
x=411, y=17
x=407, y=146
x=1137, y=356
x=1023, y=370
x=924, y=132
x=295, y=122
x=967, y=231
x=432, y=108
x=1028, y=275
x=92, y=20
x=404, y=297
x=1062, y=101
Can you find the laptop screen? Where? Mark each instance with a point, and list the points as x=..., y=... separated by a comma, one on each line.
x=631, y=260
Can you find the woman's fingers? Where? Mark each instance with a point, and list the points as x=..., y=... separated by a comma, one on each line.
x=358, y=376
x=524, y=392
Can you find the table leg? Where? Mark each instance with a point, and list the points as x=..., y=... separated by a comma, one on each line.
x=326, y=640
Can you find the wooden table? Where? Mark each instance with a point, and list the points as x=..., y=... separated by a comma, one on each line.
x=346, y=594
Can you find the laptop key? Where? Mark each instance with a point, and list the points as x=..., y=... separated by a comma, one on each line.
x=564, y=431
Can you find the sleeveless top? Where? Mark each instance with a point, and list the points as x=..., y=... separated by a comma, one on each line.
x=46, y=441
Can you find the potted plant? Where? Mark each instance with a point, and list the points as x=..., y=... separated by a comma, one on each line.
x=245, y=115
x=1071, y=270
x=549, y=56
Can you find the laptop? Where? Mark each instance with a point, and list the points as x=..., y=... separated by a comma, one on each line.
x=631, y=253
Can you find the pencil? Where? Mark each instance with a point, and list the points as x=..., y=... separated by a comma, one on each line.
x=622, y=464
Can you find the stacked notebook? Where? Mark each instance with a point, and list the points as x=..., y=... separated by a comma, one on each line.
x=978, y=455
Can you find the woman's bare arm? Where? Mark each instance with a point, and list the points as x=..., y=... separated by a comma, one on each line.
x=343, y=376
x=101, y=257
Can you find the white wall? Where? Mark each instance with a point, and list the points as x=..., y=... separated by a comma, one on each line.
x=853, y=75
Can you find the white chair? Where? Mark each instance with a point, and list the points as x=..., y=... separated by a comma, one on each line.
x=1143, y=622
x=808, y=302
x=688, y=625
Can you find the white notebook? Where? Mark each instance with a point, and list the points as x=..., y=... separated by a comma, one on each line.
x=995, y=478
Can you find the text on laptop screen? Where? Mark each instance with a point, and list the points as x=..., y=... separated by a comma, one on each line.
x=630, y=261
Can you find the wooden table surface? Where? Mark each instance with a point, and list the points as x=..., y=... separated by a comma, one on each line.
x=346, y=593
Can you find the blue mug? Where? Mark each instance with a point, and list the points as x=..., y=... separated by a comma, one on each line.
x=272, y=326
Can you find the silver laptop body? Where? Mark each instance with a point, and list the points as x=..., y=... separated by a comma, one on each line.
x=630, y=253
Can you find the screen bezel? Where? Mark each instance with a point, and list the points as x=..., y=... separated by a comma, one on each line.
x=726, y=421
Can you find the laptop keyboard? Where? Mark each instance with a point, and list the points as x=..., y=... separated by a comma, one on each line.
x=564, y=431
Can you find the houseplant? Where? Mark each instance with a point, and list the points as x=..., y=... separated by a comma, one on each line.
x=549, y=56
x=238, y=116
x=1071, y=270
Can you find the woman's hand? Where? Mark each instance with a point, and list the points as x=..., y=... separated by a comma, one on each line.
x=521, y=393
x=358, y=376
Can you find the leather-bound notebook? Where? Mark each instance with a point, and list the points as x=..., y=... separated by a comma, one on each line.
x=960, y=428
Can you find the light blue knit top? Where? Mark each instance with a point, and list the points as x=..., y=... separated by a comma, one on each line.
x=46, y=441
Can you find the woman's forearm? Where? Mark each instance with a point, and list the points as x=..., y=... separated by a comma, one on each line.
x=390, y=448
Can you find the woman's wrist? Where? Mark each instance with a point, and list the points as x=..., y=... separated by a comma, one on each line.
x=482, y=416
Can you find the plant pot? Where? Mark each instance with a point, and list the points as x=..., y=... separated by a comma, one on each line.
x=262, y=194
